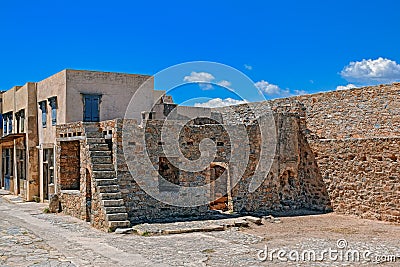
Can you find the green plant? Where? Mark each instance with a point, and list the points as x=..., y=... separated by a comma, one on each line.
x=46, y=210
x=146, y=234
x=208, y=251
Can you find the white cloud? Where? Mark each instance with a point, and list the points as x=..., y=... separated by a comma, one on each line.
x=380, y=70
x=224, y=83
x=345, y=87
x=248, y=67
x=270, y=89
x=196, y=77
x=205, y=80
x=218, y=102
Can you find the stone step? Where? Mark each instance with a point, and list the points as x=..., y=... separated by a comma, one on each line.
x=108, y=188
x=107, y=196
x=97, y=134
x=94, y=154
x=101, y=160
x=103, y=174
x=117, y=216
x=99, y=147
x=103, y=167
x=113, y=202
x=105, y=182
x=110, y=210
x=95, y=140
x=91, y=127
x=118, y=224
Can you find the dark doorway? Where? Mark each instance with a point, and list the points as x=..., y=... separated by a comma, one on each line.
x=219, y=188
x=88, y=195
x=7, y=167
x=48, y=171
x=21, y=168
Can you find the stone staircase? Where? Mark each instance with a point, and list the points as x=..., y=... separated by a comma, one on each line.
x=104, y=175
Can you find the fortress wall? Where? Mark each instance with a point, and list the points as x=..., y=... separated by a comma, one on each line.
x=354, y=135
x=356, y=113
x=362, y=176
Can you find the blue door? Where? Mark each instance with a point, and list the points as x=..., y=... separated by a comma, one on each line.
x=91, y=109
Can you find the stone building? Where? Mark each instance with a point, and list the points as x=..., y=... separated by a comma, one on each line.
x=19, y=140
x=87, y=96
x=30, y=114
x=66, y=135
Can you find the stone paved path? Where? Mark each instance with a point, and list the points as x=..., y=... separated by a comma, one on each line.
x=29, y=237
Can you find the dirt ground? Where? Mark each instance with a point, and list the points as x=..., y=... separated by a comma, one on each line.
x=331, y=225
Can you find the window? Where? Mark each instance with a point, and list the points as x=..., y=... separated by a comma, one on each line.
x=10, y=123
x=53, y=105
x=43, y=108
x=7, y=123
x=169, y=174
x=20, y=117
x=91, y=108
x=4, y=125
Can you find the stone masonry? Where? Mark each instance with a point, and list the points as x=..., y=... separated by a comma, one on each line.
x=292, y=183
x=354, y=136
x=356, y=129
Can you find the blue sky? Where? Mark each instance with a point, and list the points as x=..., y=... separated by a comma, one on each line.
x=288, y=47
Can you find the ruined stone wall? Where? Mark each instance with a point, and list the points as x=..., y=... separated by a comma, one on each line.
x=356, y=113
x=69, y=176
x=292, y=183
x=354, y=135
x=74, y=202
x=362, y=175
x=140, y=206
x=294, y=180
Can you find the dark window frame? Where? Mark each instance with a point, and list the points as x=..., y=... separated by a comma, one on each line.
x=54, y=106
x=94, y=116
x=20, y=121
x=43, y=108
x=7, y=123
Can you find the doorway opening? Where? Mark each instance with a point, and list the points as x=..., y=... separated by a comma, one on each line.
x=48, y=172
x=220, y=188
x=88, y=196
